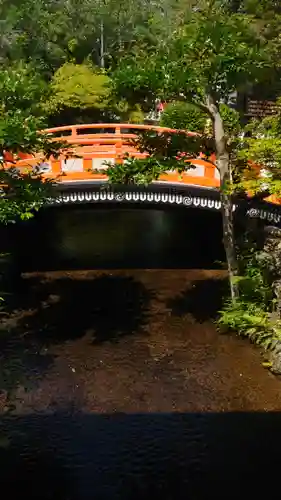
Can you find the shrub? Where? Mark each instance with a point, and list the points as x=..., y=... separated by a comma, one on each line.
x=184, y=116
x=78, y=86
x=252, y=314
x=136, y=115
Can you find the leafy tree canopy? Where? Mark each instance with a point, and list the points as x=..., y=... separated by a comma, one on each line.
x=78, y=86
x=211, y=54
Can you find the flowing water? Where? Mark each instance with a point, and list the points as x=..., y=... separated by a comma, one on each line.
x=115, y=381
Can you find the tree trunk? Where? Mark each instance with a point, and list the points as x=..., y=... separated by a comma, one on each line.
x=224, y=167
x=229, y=241
x=102, y=62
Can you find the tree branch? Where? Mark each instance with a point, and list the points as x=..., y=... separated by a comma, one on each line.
x=199, y=104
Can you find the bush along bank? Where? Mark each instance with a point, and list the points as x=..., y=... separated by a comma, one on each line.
x=256, y=314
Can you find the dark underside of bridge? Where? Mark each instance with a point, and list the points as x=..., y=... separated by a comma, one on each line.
x=95, y=237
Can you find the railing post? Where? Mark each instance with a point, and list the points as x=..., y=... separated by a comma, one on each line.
x=209, y=171
x=74, y=132
x=56, y=166
x=118, y=146
x=118, y=151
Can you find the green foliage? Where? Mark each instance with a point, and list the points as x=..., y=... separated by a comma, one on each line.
x=136, y=171
x=183, y=116
x=251, y=314
x=123, y=112
x=142, y=172
x=264, y=151
x=136, y=115
x=169, y=146
x=17, y=132
x=53, y=32
x=21, y=88
x=21, y=195
x=231, y=121
x=255, y=281
x=21, y=92
x=250, y=320
x=212, y=54
x=262, y=146
x=78, y=86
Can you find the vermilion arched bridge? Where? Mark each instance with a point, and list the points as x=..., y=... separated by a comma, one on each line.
x=94, y=145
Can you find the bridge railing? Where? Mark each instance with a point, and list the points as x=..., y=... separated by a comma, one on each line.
x=94, y=145
x=114, y=130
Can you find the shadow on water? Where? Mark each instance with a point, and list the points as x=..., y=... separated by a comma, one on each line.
x=108, y=308
x=203, y=299
x=78, y=456
x=22, y=363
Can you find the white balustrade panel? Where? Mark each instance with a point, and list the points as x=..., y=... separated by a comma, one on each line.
x=198, y=171
x=44, y=167
x=102, y=163
x=72, y=165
